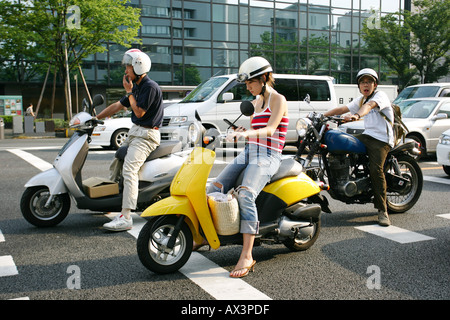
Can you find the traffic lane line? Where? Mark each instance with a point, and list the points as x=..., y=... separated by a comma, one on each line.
x=445, y=215
x=7, y=266
x=32, y=159
x=394, y=233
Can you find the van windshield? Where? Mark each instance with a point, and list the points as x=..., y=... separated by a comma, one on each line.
x=205, y=90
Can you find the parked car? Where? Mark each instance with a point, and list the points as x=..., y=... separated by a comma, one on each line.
x=423, y=91
x=443, y=151
x=426, y=119
x=115, y=130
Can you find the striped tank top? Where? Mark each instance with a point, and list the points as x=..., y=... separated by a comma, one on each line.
x=277, y=140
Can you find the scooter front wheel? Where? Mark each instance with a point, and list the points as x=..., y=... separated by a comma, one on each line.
x=153, y=249
x=36, y=211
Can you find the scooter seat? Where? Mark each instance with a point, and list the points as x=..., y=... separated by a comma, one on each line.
x=288, y=168
x=164, y=149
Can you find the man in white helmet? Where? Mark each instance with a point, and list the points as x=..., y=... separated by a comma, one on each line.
x=378, y=135
x=144, y=98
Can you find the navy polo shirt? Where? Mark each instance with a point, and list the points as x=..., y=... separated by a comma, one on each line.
x=148, y=96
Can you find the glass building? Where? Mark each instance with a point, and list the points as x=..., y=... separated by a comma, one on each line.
x=190, y=41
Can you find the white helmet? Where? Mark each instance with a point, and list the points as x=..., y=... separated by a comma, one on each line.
x=140, y=61
x=253, y=67
x=367, y=72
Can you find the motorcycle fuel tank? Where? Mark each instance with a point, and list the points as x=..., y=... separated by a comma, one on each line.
x=340, y=142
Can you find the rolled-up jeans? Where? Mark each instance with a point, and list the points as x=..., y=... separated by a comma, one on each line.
x=141, y=142
x=259, y=165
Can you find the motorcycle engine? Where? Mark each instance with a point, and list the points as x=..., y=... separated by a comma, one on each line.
x=340, y=170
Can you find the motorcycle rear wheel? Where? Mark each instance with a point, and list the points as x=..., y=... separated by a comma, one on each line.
x=32, y=205
x=151, y=245
x=399, y=203
x=304, y=243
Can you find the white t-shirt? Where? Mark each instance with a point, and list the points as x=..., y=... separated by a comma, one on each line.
x=375, y=125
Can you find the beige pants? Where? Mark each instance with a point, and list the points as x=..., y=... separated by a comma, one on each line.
x=141, y=142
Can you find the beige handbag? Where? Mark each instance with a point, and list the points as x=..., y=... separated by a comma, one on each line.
x=225, y=213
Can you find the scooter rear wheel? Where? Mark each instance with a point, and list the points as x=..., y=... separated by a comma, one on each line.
x=32, y=205
x=152, y=245
x=300, y=243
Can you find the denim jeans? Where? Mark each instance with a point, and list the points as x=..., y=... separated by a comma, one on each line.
x=259, y=165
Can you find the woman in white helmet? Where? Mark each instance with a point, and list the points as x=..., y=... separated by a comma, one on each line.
x=261, y=157
x=378, y=134
x=144, y=98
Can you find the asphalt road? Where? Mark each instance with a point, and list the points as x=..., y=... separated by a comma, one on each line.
x=78, y=260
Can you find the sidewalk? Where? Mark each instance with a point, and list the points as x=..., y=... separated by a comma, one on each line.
x=10, y=135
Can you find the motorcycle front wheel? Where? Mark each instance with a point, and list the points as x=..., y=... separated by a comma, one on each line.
x=401, y=202
x=152, y=247
x=34, y=209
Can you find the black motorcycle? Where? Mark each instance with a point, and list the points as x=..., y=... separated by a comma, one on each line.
x=342, y=165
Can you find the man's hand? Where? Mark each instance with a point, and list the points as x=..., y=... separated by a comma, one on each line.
x=128, y=86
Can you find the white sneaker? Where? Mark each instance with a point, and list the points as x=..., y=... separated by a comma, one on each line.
x=119, y=223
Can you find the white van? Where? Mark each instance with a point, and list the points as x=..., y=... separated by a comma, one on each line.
x=220, y=97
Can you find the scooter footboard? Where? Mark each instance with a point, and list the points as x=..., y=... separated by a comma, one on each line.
x=174, y=205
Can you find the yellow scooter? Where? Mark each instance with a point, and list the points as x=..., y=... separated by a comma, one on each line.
x=286, y=211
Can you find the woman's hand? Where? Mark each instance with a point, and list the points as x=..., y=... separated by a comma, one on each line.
x=237, y=134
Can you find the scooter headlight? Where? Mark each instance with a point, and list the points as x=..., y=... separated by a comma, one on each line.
x=302, y=126
x=193, y=133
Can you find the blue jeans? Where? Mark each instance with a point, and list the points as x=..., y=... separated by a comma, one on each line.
x=259, y=165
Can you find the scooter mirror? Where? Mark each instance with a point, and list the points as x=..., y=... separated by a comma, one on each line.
x=247, y=108
x=98, y=100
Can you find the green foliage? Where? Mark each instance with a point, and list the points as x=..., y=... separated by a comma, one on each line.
x=38, y=30
x=414, y=44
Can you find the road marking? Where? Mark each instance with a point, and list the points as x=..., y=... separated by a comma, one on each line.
x=217, y=282
x=7, y=266
x=2, y=238
x=445, y=215
x=206, y=274
x=436, y=179
x=394, y=233
x=31, y=159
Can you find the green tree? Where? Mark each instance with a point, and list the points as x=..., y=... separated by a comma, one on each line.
x=413, y=43
x=63, y=32
x=430, y=39
x=391, y=41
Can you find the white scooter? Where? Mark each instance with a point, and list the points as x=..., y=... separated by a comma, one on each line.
x=46, y=200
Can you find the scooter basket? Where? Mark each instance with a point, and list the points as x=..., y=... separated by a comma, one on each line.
x=224, y=212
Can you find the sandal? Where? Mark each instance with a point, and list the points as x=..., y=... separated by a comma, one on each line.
x=247, y=270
